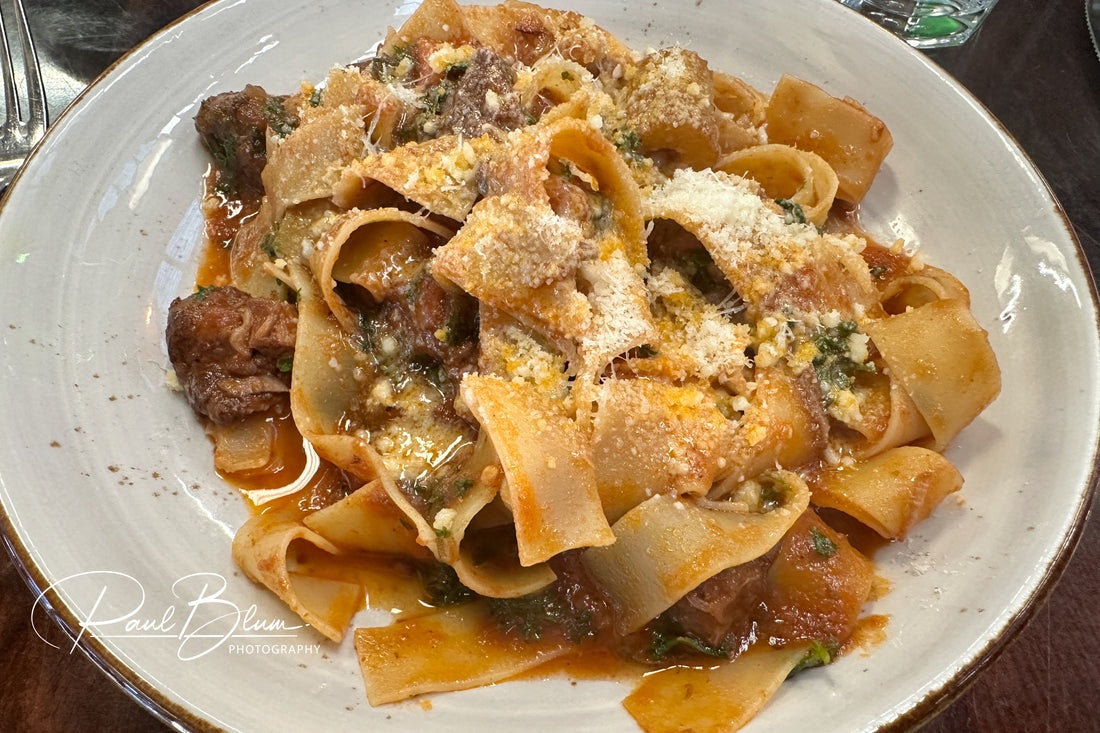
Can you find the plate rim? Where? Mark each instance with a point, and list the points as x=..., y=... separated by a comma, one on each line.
x=148, y=697
x=163, y=708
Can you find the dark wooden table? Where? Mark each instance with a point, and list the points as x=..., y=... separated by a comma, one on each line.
x=1034, y=67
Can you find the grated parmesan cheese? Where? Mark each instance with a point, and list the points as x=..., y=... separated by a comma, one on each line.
x=448, y=55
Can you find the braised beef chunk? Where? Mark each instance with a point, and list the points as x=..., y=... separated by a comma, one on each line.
x=571, y=608
x=568, y=199
x=720, y=611
x=233, y=127
x=444, y=325
x=435, y=328
x=716, y=619
x=482, y=97
x=231, y=351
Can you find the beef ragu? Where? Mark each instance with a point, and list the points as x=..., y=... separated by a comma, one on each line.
x=231, y=352
x=233, y=127
x=589, y=351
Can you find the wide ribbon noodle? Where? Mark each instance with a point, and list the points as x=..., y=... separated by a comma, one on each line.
x=582, y=346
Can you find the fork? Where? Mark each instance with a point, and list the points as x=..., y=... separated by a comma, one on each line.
x=26, y=118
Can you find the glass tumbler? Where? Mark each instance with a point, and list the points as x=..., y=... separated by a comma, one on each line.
x=926, y=23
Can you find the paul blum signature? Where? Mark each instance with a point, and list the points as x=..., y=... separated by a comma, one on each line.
x=199, y=620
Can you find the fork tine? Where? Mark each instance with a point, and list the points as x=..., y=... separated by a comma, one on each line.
x=36, y=90
x=11, y=99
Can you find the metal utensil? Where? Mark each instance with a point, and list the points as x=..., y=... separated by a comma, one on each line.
x=24, y=97
x=1092, y=16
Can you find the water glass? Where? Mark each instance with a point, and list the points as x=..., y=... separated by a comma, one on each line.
x=927, y=23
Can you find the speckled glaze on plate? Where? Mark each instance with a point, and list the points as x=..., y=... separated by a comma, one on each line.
x=108, y=496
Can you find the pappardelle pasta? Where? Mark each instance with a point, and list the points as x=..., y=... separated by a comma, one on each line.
x=551, y=346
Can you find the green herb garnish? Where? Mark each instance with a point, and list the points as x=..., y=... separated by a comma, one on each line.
x=835, y=369
x=202, y=292
x=384, y=66
x=532, y=615
x=770, y=499
x=629, y=144
x=222, y=148
x=462, y=323
x=442, y=586
x=822, y=545
x=818, y=655
x=285, y=364
x=664, y=644
x=268, y=246
x=435, y=97
x=277, y=117
x=794, y=213
x=605, y=212
x=429, y=494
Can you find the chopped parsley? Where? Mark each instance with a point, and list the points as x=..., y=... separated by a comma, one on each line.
x=531, y=616
x=285, y=364
x=463, y=485
x=202, y=291
x=605, y=212
x=442, y=586
x=770, y=499
x=259, y=142
x=463, y=323
x=835, y=369
x=629, y=144
x=664, y=644
x=383, y=67
x=278, y=119
x=794, y=213
x=878, y=271
x=268, y=246
x=418, y=127
x=822, y=545
x=818, y=655
x=429, y=494
x=368, y=332
x=315, y=98
x=435, y=97
x=222, y=148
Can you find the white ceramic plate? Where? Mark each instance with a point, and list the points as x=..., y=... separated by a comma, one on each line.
x=106, y=483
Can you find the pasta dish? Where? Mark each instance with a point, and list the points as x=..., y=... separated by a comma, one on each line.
x=552, y=347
